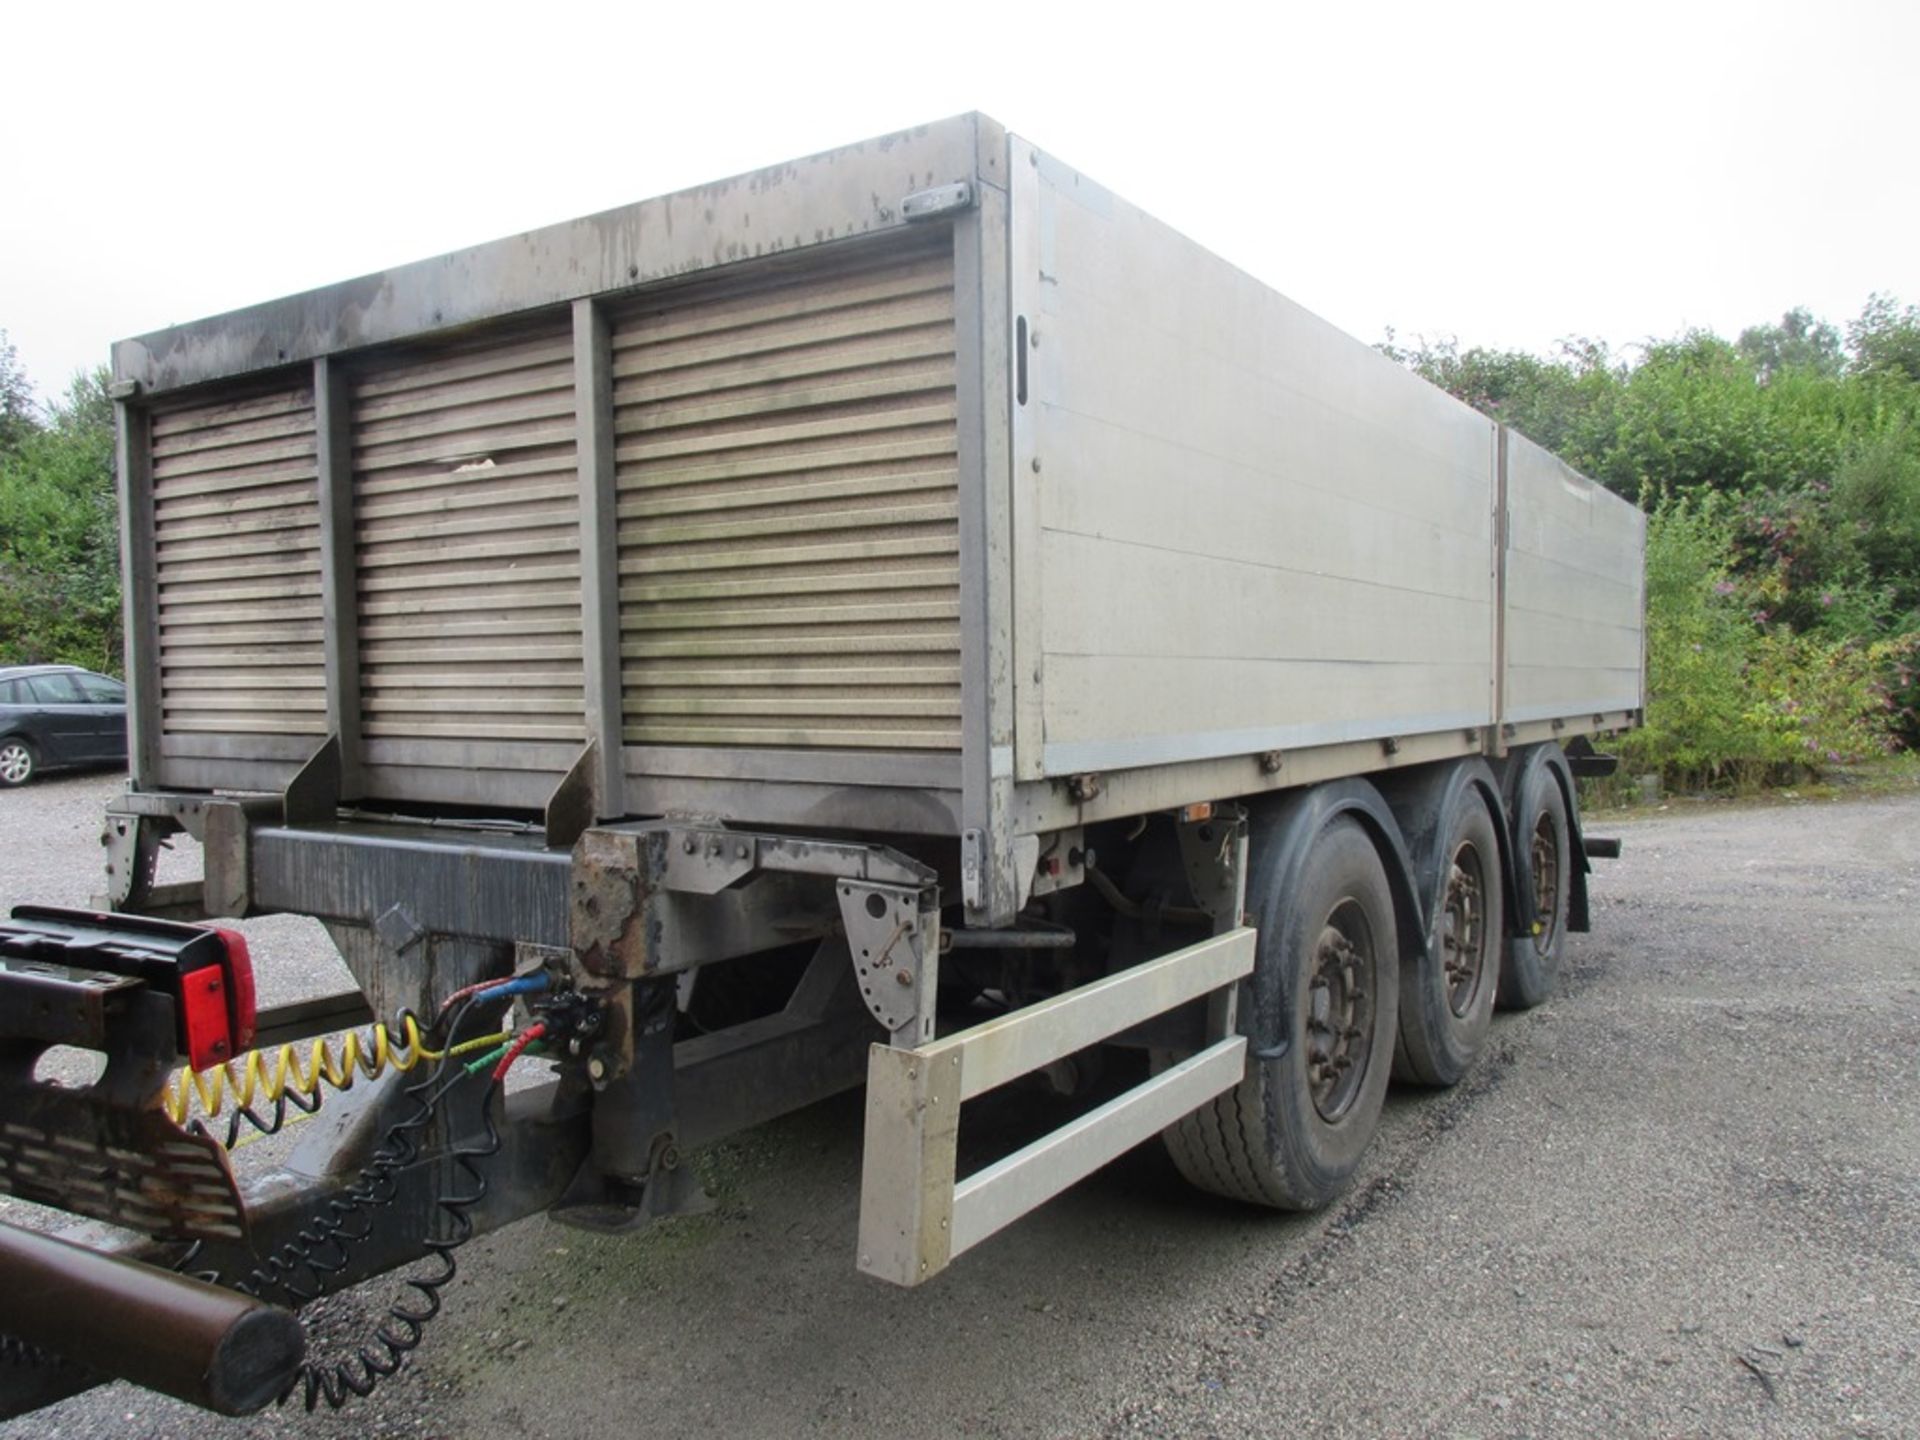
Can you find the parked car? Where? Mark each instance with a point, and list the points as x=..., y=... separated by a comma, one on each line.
x=56, y=716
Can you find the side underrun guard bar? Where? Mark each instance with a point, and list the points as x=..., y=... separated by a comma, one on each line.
x=914, y=1216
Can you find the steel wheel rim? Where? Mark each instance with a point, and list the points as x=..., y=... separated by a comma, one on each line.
x=1545, y=857
x=1463, y=932
x=15, y=763
x=1340, y=1009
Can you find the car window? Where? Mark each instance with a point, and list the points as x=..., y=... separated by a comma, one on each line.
x=99, y=690
x=10, y=693
x=55, y=690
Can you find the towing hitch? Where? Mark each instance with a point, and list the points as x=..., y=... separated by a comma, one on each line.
x=147, y=994
x=428, y=1152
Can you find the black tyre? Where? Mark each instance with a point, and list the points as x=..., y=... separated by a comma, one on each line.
x=1446, y=997
x=1544, y=839
x=1290, y=1134
x=17, y=761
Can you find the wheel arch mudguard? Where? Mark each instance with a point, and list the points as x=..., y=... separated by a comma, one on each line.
x=1281, y=839
x=1426, y=800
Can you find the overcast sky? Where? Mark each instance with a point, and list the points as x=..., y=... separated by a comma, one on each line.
x=1510, y=174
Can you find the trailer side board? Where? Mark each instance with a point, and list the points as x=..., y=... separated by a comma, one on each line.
x=1247, y=530
x=1575, y=591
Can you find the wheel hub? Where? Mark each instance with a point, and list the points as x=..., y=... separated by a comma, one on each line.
x=1463, y=930
x=1339, y=1012
x=1545, y=857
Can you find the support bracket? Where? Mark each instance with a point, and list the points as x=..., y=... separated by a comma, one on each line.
x=893, y=932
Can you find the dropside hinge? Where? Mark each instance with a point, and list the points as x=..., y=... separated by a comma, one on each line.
x=940, y=200
x=973, y=869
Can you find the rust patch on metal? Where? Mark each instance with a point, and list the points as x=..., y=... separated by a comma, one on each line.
x=610, y=920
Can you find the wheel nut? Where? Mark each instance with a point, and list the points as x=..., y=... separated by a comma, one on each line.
x=903, y=975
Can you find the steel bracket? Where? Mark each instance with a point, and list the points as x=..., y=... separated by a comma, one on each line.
x=313, y=794
x=132, y=843
x=893, y=932
x=574, y=803
x=226, y=860
x=973, y=868
x=1213, y=852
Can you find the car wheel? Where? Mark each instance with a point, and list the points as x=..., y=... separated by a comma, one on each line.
x=17, y=761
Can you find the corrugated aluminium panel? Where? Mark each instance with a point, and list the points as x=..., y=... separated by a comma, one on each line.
x=787, y=505
x=236, y=527
x=467, y=540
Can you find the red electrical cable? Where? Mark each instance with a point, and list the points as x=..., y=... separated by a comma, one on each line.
x=474, y=989
x=525, y=1038
x=466, y=990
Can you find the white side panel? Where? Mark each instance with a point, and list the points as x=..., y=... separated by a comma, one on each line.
x=1253, y=531
x=1575, y=591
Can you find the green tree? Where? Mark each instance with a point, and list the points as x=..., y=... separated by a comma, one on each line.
x=1885, y=340
x=59, y=535
x=19, y=417
x=1798, y=342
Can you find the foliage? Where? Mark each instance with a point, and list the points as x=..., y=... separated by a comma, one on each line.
x=59, y=535
x=1821, y=700
x=1782, y=475
x=1734, y=697
x=1798, y=342
x=1699, y=643
x=1886, y=339
x=17, y=414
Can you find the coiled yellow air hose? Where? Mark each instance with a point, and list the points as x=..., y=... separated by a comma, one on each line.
x=269, y=1075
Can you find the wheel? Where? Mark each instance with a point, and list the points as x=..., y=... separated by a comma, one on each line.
x=1290, y=1134
x=17, y=761
x=1533, y=961
x=1446, y=999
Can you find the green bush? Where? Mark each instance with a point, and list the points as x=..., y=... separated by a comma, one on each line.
x=1819, y=701
x=1735, y=698
x=1699, y=715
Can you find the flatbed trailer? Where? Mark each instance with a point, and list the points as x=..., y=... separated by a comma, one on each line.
x=903, y=616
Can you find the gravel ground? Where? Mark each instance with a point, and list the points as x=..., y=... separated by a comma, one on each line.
x=1682, y=1198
